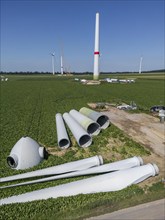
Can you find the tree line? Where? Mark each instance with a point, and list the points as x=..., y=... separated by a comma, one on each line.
x=73, y=73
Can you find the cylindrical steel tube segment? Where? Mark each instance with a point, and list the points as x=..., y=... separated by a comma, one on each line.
x=100, y=118
x=92, y=127
x=62, y=136
x=82, y=137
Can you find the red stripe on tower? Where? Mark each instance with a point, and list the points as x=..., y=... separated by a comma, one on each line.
x=97, y=52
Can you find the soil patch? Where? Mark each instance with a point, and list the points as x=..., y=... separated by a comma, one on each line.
x=144, y=129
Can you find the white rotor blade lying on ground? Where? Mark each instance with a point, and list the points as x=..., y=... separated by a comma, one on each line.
x=103, y=183
x=59, y=169
x=119, y=165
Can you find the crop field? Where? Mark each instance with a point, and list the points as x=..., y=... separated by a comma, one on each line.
x=28, y=108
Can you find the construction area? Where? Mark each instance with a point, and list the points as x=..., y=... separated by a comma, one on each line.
x=144, y=129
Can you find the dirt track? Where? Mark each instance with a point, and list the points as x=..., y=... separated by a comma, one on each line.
x=144, y=129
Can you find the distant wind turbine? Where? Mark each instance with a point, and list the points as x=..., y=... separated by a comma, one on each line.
x=140, y=67
x=52, y=54
x=62, y=66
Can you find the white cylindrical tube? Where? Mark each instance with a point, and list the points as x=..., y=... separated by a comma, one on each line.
x=103, y=183
x=62, y=66
x=62, y=136
x=59, y=169
x=100, y=118
x=96, y=51
x=92, y=127
x=110, y=167
x=82, y=137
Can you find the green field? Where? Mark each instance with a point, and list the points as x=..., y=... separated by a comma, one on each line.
x=28, y=108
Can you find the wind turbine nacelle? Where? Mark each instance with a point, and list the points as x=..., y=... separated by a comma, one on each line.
x=26, y=153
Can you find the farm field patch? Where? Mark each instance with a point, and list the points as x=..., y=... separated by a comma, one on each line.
x=28, y=108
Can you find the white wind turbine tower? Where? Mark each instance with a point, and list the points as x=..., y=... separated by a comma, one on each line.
x=140, y=67
x=52, y=54
x=62, y=70
x=96, y=50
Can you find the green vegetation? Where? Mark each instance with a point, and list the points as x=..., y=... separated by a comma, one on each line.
x=82, y=206
x=28, y=108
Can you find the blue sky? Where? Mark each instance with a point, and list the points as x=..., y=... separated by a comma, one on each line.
x=30, y=30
